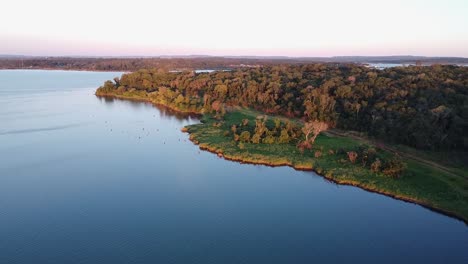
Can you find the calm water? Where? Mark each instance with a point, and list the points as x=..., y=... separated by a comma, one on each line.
x=89, y=180
x=382, y=66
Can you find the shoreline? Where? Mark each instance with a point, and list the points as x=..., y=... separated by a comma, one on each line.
x=56, y=69
x=324, y=175
x=148, y=100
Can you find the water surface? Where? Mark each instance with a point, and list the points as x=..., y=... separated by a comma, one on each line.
x=91, y=180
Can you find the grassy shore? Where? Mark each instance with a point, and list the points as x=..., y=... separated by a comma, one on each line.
x=421, y=183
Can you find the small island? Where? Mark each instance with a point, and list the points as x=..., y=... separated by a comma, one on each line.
x=399, y=131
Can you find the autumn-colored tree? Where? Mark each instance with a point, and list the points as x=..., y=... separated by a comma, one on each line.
x=216, y=106
x=284, y=136
x=423, y=107
x=269, y=138
x=313, y=128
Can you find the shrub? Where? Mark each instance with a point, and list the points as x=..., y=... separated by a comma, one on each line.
x=394, y=167
x=121, y=89
x=341, y=151
x=367, y=155
x=352, y=156
x=256, y=138
x=269, y=139
x=245, y=136
x=376, y=165
x=284, y=137
x=303, y=145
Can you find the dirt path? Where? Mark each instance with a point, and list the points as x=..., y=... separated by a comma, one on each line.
x=335, y=132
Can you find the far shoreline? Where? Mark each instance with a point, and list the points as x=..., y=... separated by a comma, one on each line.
x=56, y=69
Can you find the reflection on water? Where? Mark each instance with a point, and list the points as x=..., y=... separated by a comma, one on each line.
x=103, y=180
x=164, y=112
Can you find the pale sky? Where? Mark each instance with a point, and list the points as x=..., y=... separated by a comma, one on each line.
x=236, y=27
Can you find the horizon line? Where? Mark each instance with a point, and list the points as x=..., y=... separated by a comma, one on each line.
x=228, y=56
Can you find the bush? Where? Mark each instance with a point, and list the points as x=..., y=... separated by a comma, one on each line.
x=341, y=151
x=284, y=137
x=269, y=140
x=352, y=156
x=303, y=145
x=394, y=167
x=256, y=138
x=245, y=136
x=367, y=155
x=376, y=165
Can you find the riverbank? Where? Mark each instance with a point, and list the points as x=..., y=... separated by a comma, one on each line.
x=420, y=184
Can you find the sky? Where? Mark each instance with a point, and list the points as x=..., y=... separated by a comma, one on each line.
x=237, y=27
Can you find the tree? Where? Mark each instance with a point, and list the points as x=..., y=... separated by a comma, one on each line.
x=216, y=106
x=117, y=81
x=284, y=136
x=314, y=128
x=221, y=91
x=269, y=138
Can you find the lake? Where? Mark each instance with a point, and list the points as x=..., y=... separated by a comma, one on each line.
x=382, y=66
x=91, y=180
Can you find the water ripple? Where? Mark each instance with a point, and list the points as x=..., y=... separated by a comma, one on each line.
x=33, y=130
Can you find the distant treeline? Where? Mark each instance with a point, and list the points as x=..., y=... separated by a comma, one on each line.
x=199, y=62
x=133, y=64
x=423, y=107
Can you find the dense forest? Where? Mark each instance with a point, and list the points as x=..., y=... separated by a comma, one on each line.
x=421, y=106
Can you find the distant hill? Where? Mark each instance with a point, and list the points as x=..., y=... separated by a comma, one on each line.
x=363, y=59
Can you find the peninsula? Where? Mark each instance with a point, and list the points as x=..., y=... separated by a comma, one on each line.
x=399, y=131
